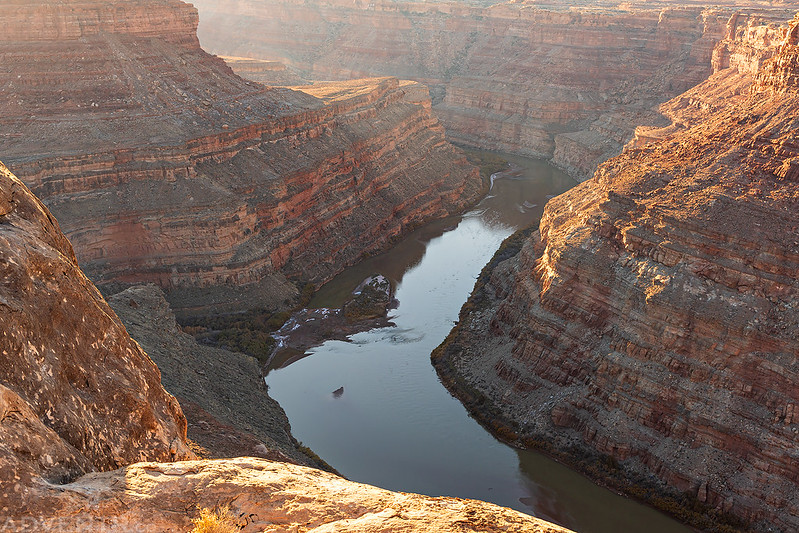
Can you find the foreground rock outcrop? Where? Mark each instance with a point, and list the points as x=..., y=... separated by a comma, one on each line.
x=654, y=316
x=263, y=496
x=568, y=81
x=76, y=393
x=163, y=166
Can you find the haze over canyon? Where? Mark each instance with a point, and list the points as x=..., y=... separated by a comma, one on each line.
x=564, y=81
x=646, y=333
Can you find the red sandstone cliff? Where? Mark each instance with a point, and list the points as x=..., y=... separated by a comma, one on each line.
x=162, y=165
x=654, y=317
x=566, y=82
x=76, y=393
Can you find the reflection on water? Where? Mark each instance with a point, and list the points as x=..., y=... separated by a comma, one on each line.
x=375, y=410
x=515, y=201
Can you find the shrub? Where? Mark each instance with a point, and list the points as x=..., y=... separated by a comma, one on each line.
x=198, y=450
x=276, y=321
x=307, y=292
x=487, y=162
x=220, y=520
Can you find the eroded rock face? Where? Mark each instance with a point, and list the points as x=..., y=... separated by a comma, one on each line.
x=568, y=83
x=164, y=166
x=76, y=393
x=748, y=42
x=654, y=317
x=222, y=393
x=263, y=496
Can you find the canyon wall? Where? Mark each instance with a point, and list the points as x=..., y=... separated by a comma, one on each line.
x=222, y=394
x=78, y=395
x=569, y=83
x=163, y=166
x=653, y=318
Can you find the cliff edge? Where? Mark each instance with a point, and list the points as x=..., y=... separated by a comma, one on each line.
x=76, y=393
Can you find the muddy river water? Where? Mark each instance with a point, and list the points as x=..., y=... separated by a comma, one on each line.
x=392, y=424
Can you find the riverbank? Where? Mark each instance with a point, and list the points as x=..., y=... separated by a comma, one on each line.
x=376, y=395
x=601, y=469
x=255, y=332
x=330, y=313
x=367, y=308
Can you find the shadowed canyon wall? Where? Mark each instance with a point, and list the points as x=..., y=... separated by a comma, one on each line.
x=568, y=82
x=164, y=166
x=222, y=393
x=78, y=395
x=654, y=316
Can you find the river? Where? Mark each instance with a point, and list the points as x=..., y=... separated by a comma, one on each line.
x=394, y=425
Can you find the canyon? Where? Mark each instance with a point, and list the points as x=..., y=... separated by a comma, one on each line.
x=567, y=82
x=81, y=406
x=163, y=166
x=645, y=333
x=650, y=323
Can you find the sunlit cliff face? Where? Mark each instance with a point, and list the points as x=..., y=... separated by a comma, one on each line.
x=59, y=343
x=656, y=308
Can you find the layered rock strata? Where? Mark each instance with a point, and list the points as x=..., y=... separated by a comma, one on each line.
x=164, y=166
x=654, y=316
x=749, y=41
x=76, y=393
x=567, y=82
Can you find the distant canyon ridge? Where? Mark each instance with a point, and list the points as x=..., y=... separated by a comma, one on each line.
x=164, y=166
x=566, y=82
